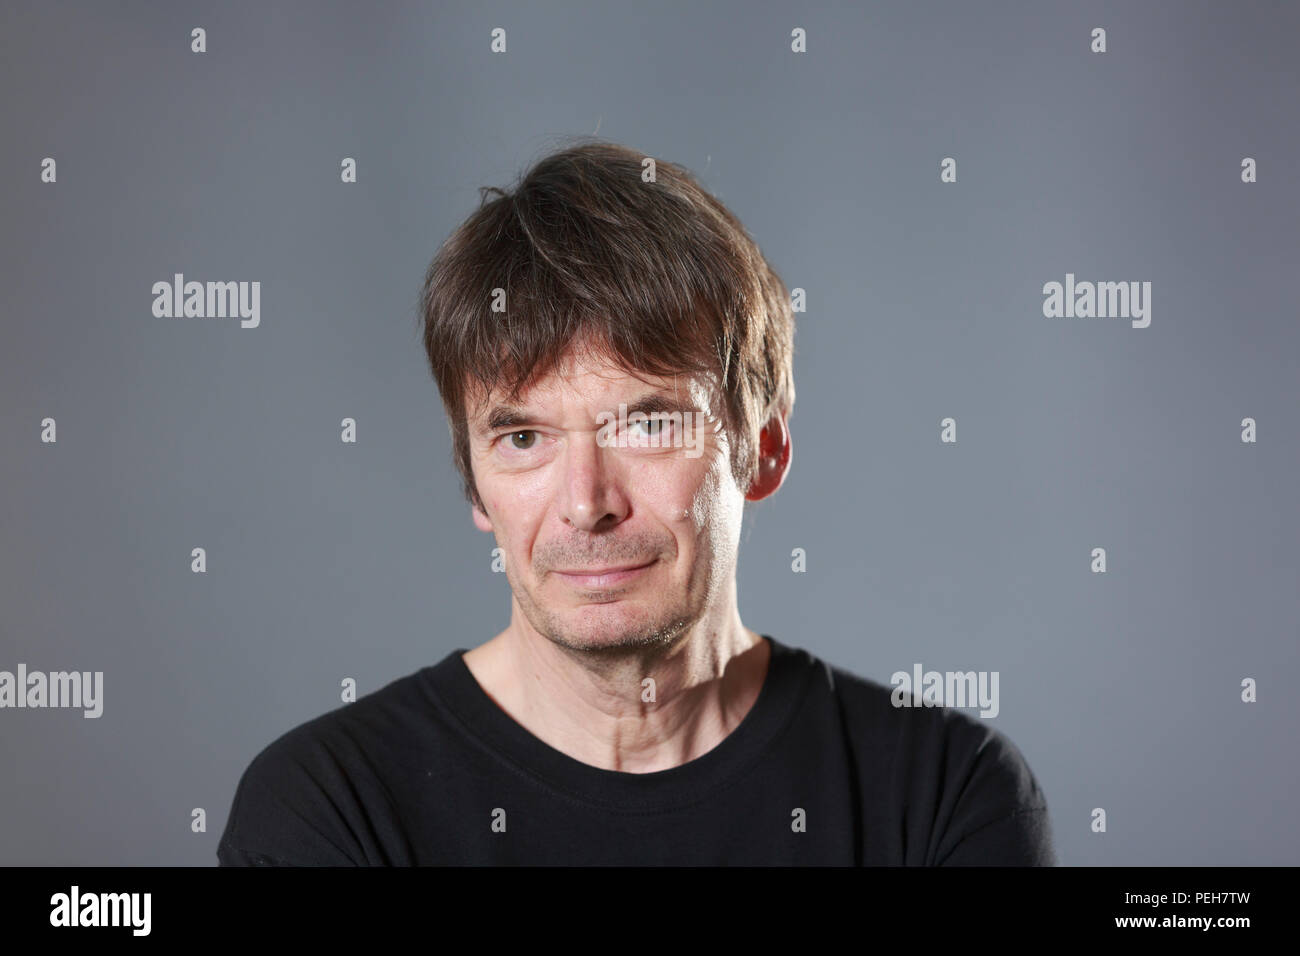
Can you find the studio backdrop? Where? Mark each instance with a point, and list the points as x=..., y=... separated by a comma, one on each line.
x=1043, y=258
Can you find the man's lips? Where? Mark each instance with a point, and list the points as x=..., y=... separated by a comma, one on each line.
x=603, y=577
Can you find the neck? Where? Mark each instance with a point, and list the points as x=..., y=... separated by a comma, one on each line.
x=603, y=710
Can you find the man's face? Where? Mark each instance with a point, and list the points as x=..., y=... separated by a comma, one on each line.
x=609, y=541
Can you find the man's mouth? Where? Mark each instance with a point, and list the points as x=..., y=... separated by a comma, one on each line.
x=603, y=577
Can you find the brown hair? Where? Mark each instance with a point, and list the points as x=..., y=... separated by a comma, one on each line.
x=660, y=276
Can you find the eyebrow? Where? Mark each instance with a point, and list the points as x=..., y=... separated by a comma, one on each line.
x=652, y=403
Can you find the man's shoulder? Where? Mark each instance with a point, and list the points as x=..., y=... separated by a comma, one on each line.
x=301, y=797
x=969, y=775
x=891, y=710
x=881, y=715
x=342, y=729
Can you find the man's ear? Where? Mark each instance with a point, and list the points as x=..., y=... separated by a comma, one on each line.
x=773, y=458
x=481, y=520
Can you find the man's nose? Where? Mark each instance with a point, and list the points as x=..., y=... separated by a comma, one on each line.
x=592, y=497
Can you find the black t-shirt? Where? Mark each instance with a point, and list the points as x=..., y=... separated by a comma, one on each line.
x=824, y=769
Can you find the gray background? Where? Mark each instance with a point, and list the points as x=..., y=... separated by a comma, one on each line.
x=328, y=560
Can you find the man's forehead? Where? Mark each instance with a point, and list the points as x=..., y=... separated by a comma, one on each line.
x=606, y=385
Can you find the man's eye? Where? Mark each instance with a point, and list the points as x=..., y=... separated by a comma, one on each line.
x=653, y=426
x=529, y=439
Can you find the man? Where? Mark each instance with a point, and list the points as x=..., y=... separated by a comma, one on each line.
x=615, y=358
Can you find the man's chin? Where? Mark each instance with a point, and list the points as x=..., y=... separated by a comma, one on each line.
x=591, y=629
